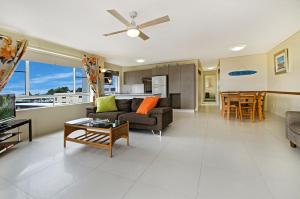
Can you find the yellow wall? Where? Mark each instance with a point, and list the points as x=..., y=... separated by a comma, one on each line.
x=50, y=119
x=290, y=81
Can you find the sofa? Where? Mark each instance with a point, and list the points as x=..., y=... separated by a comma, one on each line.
x=293, y=128
x=156, y=120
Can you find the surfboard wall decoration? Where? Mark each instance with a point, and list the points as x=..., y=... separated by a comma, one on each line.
x=242, y=73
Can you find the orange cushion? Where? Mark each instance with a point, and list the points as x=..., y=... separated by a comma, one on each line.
x=147, y=104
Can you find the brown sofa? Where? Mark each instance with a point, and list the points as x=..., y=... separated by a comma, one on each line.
x=156, y=120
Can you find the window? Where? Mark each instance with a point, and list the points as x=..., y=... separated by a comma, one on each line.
x=81, y=84
x=40, y=84
x=48, y=79
x=17, y=83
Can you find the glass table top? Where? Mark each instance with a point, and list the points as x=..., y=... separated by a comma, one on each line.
x=97, y=123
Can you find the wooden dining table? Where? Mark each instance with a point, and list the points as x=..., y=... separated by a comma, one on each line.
x=233, y=98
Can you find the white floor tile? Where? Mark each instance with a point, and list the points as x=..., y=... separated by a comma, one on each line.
x=98, y=184
x=218, y=183
x=146, y=191
x=46, y=183
x=173, y=175
x=201, y=155
x=10, y=192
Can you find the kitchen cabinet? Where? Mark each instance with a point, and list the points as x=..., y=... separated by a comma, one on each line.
x=174, y=78
x=160, y=70
x=187, y=86
x=136, y=77
x=146, y=73
x=181, y=82
x=129, y=77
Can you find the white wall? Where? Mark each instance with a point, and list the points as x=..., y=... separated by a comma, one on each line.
x=290, y=81
x=49, y=46
x=50, y=119
x=257, y=81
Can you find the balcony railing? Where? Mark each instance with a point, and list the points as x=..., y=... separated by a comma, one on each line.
x=58, y=99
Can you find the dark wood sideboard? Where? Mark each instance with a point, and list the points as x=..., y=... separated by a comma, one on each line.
x=10, y=130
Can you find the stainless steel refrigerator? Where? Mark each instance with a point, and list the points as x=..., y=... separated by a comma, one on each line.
x=160, y=86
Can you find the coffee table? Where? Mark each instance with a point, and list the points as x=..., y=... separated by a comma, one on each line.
x=95, y=136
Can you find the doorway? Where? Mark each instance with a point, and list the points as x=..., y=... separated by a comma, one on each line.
x=210, y=88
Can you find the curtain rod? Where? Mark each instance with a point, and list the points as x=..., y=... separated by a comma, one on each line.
x=40, y=50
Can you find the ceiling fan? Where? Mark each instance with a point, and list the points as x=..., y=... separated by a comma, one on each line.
x=134, y=30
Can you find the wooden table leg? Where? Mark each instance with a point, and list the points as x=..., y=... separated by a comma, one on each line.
x=228, y=111
x=67, y=131
x=127, y=134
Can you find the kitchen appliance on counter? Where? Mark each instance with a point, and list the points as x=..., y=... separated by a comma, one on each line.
x=160, y=85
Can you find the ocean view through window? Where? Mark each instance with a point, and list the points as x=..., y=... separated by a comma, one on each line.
x=39, y=84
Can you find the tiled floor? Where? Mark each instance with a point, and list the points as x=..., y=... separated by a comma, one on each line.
x=199, y=156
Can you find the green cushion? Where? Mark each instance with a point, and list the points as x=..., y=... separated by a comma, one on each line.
x=106, y=104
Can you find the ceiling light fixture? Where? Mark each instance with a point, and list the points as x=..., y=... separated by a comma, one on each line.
x=133, y=32
x=238, y=48
x=210, y=68
x=140, y=60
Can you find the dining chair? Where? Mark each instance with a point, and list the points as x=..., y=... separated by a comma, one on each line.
x=247, y=105
x=260, y=105
x=229, y=106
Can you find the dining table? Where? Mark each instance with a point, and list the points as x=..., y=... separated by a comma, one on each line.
x=234, y=97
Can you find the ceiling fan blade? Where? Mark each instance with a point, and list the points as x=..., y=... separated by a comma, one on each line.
x=113, y=33
x=117, y=15
x=154, y=22
x=143, y=36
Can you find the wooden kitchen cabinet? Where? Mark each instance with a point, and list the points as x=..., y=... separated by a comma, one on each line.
x=187, y=86
x=129, y=77
x=174, y=79
x=136, y=77
x=181, y=82
x=146, y=73
x=160, y=70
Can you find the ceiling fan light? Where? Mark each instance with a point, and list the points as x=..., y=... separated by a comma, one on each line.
x=133, y=32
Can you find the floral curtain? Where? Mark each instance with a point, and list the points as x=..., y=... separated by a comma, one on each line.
x=10, y=54
x=91, y=67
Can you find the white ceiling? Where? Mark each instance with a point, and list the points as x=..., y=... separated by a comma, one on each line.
x=199, y=29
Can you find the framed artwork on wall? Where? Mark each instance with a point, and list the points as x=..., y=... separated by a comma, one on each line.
x=281, y=62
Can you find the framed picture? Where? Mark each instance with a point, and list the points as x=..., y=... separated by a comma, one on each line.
x=281, y=62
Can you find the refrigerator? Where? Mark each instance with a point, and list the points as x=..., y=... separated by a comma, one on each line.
x=160, y=86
